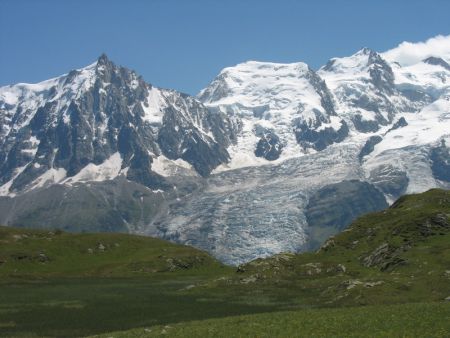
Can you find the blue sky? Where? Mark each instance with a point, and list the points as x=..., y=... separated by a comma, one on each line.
x=184, y=44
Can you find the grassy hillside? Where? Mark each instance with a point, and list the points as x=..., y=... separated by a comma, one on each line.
x=37, y=253
x=406, y=320
x=68, y=285
x=401, y=254
x=60, y=284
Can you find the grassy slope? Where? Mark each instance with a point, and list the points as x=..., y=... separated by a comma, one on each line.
x=59, y=284
x=400, y=255
x=407, y=320
x=37, y=254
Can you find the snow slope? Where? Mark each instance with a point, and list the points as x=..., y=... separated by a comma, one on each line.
x=234, y=170
x=271, y=97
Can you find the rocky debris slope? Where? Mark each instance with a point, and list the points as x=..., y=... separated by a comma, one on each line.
x=241, y=170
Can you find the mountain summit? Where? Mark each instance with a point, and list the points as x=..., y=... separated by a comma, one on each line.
x=100, y=122
x=242, y=169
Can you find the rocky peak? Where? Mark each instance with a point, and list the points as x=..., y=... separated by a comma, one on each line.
x=370, y=54
x=103, y=59
x=432, y=60
x=381, y=74
x=364, y=89
x=105, y=118
x=358, y=63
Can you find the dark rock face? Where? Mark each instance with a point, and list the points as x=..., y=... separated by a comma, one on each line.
x=269, y=146
x=376, y=94
x=333, y=207
x=81, y=124
x=440, y=162
x=399, y=124
x=385, y=257
x=365, y=126
x=381, y=73
x=309, y=134
x=215, y=93
x=436, y=225
x=416, y=95
x=369, y=146
x=321, y=88
x=437, y=62
x=180, y=138
x=388, y=256
x=309, y=137
x=390, y=180
x=104, y=119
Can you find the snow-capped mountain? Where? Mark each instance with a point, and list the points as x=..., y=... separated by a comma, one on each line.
x=285, y=109
x=269, y=157
x=363, y=85
x=100, y=122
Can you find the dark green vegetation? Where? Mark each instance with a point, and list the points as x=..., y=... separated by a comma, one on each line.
x=406, y=320
x=397, y=256
x=60, y=284
x=35, y=254
x=76, y=307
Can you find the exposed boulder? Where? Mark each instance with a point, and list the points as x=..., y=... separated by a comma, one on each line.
x=269, y=146
x=369, y=146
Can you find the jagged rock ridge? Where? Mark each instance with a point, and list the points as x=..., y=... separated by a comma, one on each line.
x=233, y=171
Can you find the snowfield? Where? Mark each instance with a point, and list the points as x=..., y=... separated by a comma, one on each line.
x=233, y=170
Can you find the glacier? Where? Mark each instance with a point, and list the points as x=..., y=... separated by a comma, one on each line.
x=241, y=169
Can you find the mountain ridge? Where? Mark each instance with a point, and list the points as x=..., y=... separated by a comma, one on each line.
x=233, y=175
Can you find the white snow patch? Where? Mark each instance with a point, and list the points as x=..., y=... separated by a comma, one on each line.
x=335, y=123
x=108, y=170
x=166, y=167
x=154, y=106
x=426, y=127
x=431, y=79
x=4, y=189
x=51, y=176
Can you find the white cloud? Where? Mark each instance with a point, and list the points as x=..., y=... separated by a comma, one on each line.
x=408, y=53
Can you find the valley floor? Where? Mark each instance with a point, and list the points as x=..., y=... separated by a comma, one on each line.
x=85, y=306
x=387, y=275
x=154, y=308
x=404, y=320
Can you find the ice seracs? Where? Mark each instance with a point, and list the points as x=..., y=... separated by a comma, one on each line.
x=237, y=175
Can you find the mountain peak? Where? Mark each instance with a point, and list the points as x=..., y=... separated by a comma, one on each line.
x=103, y=59
x=366, y=51
x=358, y=61
x=436, y=61
x=372, y=56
